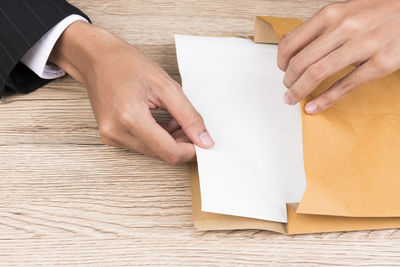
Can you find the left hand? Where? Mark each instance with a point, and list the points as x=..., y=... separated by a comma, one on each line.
x=362, y=33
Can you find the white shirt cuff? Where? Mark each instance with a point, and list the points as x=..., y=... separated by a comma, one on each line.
x=37, y=57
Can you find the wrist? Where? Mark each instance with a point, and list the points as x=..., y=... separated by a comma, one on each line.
x=82, y=48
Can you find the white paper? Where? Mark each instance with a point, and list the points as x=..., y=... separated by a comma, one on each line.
x=256, y=166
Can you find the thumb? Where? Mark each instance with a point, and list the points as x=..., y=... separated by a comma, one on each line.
x=179, y=106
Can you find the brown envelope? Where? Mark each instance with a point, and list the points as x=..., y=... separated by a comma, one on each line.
x=351, y=156
x=297, y=223
x=352, y=150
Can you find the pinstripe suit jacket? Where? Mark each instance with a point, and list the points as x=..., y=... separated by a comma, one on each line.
x=22, y=24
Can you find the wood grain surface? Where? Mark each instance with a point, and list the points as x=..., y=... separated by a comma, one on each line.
x=66, y=199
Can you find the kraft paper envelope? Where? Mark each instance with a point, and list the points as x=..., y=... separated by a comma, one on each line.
x=297, y=223
x=351, y=151
x=350, y=159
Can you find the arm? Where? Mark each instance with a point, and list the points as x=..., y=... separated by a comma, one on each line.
x=22, y=24
x=360, y=33
x=123, y=84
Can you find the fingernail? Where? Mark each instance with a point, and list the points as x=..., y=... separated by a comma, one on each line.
x=311, y=109
x=287, y=99
x=206, y=140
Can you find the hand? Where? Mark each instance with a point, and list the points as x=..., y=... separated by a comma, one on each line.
x=360, y=33
x=123, y=86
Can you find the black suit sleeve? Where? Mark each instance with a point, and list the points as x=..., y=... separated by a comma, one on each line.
x=22, y=24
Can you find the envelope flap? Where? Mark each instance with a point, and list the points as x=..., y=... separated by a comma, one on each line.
x=271, y=30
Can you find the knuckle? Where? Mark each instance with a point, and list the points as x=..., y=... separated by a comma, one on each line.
x=283, y=54
x=382, y=63
x=327, y=100
x=337, y=92
x=286, y=82
x=315, y=73
x=172, y=87
x=127, y=119
x=107, y=141
x=330, y=12
x=296, y=65
x=351, y=24
x=366, y=46
x=282, y=48
x=176, y=86
x=294, y=95
x=172, y=158
x=193, y=120
x=107, y=131
x=343, y=88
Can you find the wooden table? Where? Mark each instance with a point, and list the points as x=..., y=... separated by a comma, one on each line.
x=67, y=199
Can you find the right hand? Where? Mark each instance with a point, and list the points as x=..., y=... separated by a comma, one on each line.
x=123, y=86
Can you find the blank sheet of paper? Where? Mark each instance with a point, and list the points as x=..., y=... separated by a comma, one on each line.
x=256, y=166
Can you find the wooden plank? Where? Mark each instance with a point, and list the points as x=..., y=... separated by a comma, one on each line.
x=66, y=199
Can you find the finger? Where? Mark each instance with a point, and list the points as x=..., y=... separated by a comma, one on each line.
x=362, y=75
x=180, y=136
x=117, y=138
x=298, y=39
x=187, y=116
x=312, y=53
x=157, y=139
x=343, y=57
x=171, y=126
x=111, y=142
x=129, y=141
